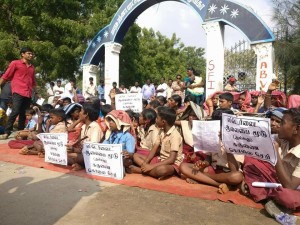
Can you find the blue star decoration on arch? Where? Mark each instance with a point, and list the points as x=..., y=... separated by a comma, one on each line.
x=223, y=11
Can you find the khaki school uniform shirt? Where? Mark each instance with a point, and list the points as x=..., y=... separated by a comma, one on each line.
x=59, y=128
x=171, y=142
x=150, y=137
x=93, y=131
x=291, y=159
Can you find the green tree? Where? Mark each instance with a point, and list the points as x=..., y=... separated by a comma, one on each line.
x=149, y=54
x=287, y=46
x=58, y=31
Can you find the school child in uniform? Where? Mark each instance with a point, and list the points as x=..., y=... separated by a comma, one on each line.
x=90, y=132
x=57, y=120
x=166, y=155
x=148, y=131
x=286, y=171
x=219, y=169
x=74, y=123
x=119, y=125
x=30, y=126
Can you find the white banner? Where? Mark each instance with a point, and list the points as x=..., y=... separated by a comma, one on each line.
x=249, y=136
x=131, y=101
x=103, y=160
x=206, y=135
x=55, y=147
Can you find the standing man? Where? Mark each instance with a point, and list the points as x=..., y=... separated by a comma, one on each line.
x=136, y=88
x=21, y=74
x=58, y=89
x=148, y=90
x=100, y=89
x=90, y=90
x=161, y=89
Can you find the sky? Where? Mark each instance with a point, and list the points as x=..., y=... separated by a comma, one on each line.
x=163, y=16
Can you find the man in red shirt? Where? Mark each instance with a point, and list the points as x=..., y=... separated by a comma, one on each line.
x=21, y=74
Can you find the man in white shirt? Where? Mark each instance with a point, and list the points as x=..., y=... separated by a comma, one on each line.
x=136, y=88
x=91, y=89
x=161, y=89
x=69, y=89
x=58, y=89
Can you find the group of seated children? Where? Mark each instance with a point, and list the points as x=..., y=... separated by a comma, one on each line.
x=159, y=142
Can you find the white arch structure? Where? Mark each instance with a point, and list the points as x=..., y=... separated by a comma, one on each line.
x=213, y=14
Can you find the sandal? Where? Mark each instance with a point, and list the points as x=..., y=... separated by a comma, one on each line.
x=245, y=189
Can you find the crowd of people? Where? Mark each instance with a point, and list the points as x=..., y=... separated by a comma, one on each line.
x=158, y=142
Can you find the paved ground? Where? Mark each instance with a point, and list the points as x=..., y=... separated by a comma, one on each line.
x=38, y=196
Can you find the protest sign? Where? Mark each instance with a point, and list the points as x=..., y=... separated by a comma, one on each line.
x=206, y=135
x=55, y=147
x=249, y=136
x=103, y=160
x=132, y=101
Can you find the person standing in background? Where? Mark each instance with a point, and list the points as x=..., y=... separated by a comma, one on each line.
x=22, y=75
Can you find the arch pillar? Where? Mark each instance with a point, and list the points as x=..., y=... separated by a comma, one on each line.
x=265, y=65
x=111, y=67
x=214, y=56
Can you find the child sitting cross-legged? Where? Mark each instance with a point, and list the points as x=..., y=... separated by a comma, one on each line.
x=119, y=124
x=57, y=122
x=90, y=132
x=30, y=126
x=166, y=155
x=219, y=169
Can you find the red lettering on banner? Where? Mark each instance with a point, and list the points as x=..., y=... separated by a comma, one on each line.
x=211, y=74
x=263, y=74
x=262, y=85
x=211, y=64
x=211, y=84
x=263, y=65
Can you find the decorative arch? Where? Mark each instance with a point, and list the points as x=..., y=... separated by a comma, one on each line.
x=213, y=14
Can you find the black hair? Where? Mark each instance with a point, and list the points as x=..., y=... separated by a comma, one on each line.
x=294, y=113
x=167, y=114
x=89, y=109
x=73, y=80
x=67, y=99
x=154, y=103
x=76, y=107
x=133, y=115
x=47, y=107
x=52, y=83
x=103, y=100
x=151, y=115
x=91, y=78
x=227, y=96
x=59, y=112
x=162, y=99
x=217, y=114
x=177, y=99
x=96, y=102
x=30, y=111
x=105, y=109
x=114, y=83
x=58, y=81
x=145, y=102
x=25, y=49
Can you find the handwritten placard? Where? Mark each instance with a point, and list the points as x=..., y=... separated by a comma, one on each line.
x=55, y=147
x=103, y=160
x=249, y=136
x=132, y=101
x=206, y=135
